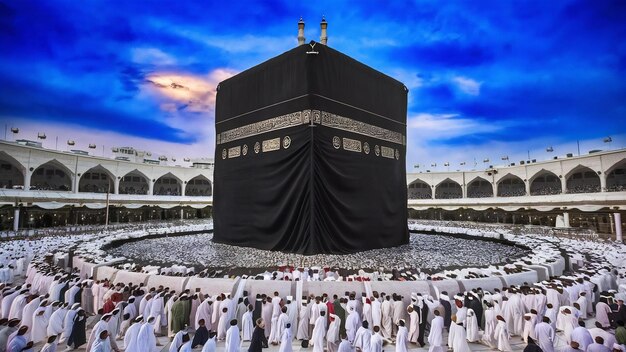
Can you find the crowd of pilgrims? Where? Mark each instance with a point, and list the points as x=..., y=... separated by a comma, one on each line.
x=54, y=309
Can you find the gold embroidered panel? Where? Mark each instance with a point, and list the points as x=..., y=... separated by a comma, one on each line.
x=234, y=152
x=275, y=123
x=387, y=152
x=271, y=145
x=352, y=145
x=311, y=117
x=362, y=128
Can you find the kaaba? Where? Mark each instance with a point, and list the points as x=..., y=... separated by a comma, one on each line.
x=310, y=155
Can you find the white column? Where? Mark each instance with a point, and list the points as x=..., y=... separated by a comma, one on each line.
x=16, y=219
x=150, y=187
x=27, y=178
x=566, y=219
x=76, y=182
x=116, y=186
x=603, y=182
x=464, y=190
x=495, y=189
x=182, y=214
x=618, y=227
x=563, y=185
x=182, y=189
x=527, y=185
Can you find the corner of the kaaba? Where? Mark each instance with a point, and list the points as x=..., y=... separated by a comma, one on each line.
x=310, y=156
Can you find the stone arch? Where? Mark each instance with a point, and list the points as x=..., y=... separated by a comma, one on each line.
x=511, y=186
x=97, y=180
x=134, y=182
x=167, y=185
x=199, y=186
x=616, y=177
x=479, y=188
x=419, y=189
x=545, y=182
x=582, y=179
x=52, y=176
x=11, y=172
x=448, y=189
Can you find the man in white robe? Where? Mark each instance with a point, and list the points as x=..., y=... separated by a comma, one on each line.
x=386, y=317
x=569, y=322
x=319, y=333
x=210, y=345
x=435, y=336
x=27, y=315
x=55, y=325
x=282, y=320
x=303, y=324
x=232, y=341
x=222, y=325
x=471, y=324
x=544, y=334
x=376, y=341
x=352, y=323
x=247, y=326
x=285, y=339
x=457, y=337
x=177, y=341
x=146, y=340
x=102, y=343
x=101, y=325
x=602, y=314
x=582, y=336
x=157, y=310
x=40, y=324
x=530, y=320
x=203, y=312
x=399, y=312
x=68, y=322
x=582, y=304
x=332, y=335
x=51, y=344
x=363, y=338
x=414, y=324
x=376, y=311
x=502, y=335
x=402, y=337
x=130, y=338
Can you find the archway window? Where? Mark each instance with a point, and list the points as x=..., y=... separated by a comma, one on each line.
x=199, y=186
x=11, y=176
x=419, y=190
x=479, y=188
x=583, y=180
x=448, y=190
x=51, y=176
x=167, y=185
x=134, y=182
x=96, y=180
x=616, y=178
x=511, y=186
x=546, y=183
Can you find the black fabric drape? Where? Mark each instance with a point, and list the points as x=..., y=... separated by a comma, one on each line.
x=311, y=196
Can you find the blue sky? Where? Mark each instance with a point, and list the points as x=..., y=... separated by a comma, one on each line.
x=487, y=78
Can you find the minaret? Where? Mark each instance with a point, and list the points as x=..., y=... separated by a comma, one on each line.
x=323, y=35
x=301, y=32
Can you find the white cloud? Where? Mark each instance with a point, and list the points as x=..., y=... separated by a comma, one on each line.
x=195, y=93
x=467, y=85
x=152, y=56
x=444, y=126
